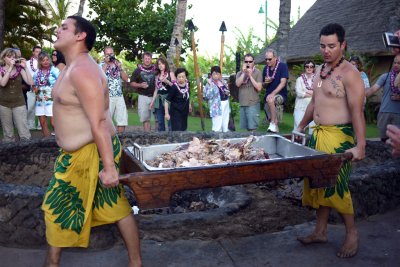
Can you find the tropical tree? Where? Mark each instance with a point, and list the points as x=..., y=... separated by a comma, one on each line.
x=177, y=33
x=26, y=24
x=283, y=29
x=2, y=21
x=134, y=26
x=80, y=9
x=59, y=10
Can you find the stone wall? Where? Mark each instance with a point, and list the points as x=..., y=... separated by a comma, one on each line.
x=25, y=170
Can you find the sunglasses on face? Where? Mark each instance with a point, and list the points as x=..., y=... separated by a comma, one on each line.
x=54, y=54
x=250, y=61
x=309, y=66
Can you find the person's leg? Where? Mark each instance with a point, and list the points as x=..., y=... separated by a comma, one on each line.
x=120, y=114
x=297, y=117
x=271, y=106
x=350, y=244
x=216, y=123
x=243, y=118
x=161, y=118
x=7, y=123
x=45, y=128
x=130, y=234
x=53, y=257
x=31, y=99
x=225, y=115
x=19, y=117
x=253, y=117
x=319, y=235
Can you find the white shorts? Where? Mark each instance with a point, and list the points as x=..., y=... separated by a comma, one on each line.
x=143, y=108
x=44, y=109
x=118, y=110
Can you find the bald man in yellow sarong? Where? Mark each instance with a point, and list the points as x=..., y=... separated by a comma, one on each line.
x=337, y=109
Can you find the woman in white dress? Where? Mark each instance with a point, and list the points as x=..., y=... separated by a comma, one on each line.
x=304, y=93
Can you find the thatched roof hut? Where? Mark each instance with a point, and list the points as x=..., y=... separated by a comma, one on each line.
x=364, y=21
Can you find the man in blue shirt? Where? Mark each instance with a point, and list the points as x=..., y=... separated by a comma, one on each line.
x=275, y=76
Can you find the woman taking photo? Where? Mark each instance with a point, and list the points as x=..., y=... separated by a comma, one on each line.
x=164, y=81
x=12, y=103
x=44, y=79
x=304, y=93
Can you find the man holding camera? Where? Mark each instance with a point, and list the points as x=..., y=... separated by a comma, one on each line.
x=248, y=80
x=115, y=75
x=275, y=76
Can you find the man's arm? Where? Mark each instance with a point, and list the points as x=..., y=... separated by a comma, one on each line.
x=372, y=90
x=89, y=89
x=355, y=99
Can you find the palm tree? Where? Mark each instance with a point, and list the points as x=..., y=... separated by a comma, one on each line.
x=25, y=24
x=177, y=32
x=81, y=5
x=59, y=11
x=283, y=30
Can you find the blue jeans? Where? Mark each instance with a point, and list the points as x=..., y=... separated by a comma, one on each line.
x=160, y=114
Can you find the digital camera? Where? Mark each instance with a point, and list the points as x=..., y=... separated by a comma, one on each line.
x=17, y=61
x=391, y=40
x=111, y=58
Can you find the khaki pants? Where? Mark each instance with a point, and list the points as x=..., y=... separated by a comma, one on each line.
x=11, y=117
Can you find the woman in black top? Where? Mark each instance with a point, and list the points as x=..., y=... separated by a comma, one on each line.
x=177, y=103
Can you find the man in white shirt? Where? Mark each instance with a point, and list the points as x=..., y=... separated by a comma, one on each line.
x=32, y=66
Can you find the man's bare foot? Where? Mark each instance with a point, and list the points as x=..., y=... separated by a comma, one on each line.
x=350, y=245
x=313, y=238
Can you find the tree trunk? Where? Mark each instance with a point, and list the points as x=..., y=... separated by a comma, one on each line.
x=284, y=28
x=177, y=33
x=2, y=23
x=81, y=5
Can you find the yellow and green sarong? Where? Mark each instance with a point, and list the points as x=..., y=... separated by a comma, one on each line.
x=332, y=139
x=75, y=200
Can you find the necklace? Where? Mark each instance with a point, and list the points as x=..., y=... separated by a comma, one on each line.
x=323, y=77
x=150, y=69
x=159, y=83
x=31, y=64
x=113, y=71
x=273, y=72
x=184, y=91
x=42, y=78
x=394, y=89
x=305, y=80
x=15, y=75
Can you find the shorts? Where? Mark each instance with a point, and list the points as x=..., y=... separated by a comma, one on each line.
x=385, y=118
x=279, y=100
x=143, y=108
x=118, y=110
x=44, y=108
x=250, y=117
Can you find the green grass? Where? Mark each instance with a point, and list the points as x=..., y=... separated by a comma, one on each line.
x=285, y=127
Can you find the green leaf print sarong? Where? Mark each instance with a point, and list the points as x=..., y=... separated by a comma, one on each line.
x=332, y=139
x=75, y=201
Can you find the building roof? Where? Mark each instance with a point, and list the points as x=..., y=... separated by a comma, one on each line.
x=363, y=20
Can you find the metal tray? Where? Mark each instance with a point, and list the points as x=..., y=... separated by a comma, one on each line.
x=276, y=146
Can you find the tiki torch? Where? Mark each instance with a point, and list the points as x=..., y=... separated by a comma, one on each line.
x=222, y=29
x=191, y=28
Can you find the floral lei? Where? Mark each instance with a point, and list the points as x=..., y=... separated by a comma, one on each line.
x=274, y=72
x=394, y=89
x=184, y=91
x=31, y=64
x=306, y=82
x=15, y=75
x=42, y=80
x=159, y=84
x=152, y=68
x=114, y=72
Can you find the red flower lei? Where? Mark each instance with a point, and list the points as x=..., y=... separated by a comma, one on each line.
x=14, y=76
x=42, y=80
x=114, y=72
x=184, y=91
x=152, y=68
x=394, y=89
x=31, y=64
x=274, y=72
x=306, y=81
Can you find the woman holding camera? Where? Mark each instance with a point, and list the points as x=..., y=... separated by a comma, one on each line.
x=44, y=79
x=12, y=103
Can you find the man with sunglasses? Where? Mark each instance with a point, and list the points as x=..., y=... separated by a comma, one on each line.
x=249, y=82
x=275, y=76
